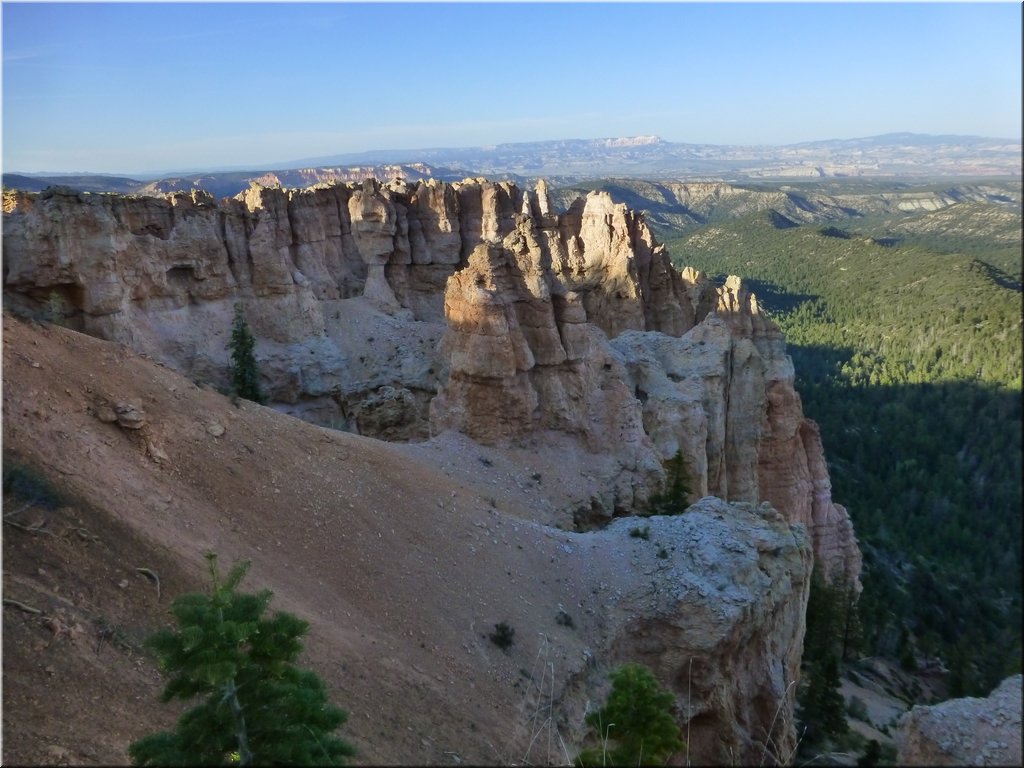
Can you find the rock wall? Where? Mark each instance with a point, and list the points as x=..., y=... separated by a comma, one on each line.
x=402, y=310
x=638, y=360
x=967, y=731
x=720, y=620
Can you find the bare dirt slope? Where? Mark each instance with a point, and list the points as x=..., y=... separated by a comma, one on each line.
x=401, y=571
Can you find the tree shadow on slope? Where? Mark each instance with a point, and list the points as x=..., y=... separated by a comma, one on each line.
x=931, y=475
x=999, y=277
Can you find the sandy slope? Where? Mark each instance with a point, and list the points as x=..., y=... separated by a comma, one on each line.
x=401, y=569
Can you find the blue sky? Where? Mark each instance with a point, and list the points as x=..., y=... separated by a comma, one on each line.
x=140, y=88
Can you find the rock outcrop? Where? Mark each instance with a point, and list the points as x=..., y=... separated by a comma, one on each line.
x=720, y=619
x=522, y=363
x=402, y=310
x=722, y=395
x=638, y=360
x=969, y=731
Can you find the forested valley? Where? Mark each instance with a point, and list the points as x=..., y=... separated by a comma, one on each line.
x=905, y=332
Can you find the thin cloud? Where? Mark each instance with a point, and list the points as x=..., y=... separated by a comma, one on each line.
x=34, y=54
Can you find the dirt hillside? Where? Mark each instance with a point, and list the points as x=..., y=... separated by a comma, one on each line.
x=401, y=570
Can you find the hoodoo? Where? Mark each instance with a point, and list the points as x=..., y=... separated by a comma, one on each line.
x=402, y=310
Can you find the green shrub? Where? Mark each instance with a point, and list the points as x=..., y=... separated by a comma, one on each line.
x=636, y=725
x=256, y=707
x=503, y=635
x=641, y=533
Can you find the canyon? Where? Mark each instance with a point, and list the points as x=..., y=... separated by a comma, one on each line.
x=488, y=388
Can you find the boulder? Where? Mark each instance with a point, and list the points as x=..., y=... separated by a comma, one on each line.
x=968, y=731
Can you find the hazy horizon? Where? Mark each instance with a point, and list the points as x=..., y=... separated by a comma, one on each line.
x=295, y=163
x=139, y=89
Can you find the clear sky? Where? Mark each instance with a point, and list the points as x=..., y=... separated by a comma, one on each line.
x=140, y=88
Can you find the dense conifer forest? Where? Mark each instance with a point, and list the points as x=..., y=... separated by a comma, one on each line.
x=906, y=337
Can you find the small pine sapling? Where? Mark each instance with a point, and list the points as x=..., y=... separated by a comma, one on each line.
x=676, y=496
x=256, y=707
x=503, y=635
x=636, y=725
x=245, y=373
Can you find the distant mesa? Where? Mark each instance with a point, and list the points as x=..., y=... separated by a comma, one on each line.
x=82, y=182
x=634, y=141
x=902, y=155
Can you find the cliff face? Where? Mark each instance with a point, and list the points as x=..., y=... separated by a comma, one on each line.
x=723, y=396
x=408, y=309
x=719, y=619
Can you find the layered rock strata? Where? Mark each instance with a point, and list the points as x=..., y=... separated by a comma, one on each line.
x=402, y=310
x=723, y=396
x=533, y=346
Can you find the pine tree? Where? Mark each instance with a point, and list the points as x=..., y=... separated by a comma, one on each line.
x=828, y=619
x=853, y=628
x=257, y=708
x=831, y=704
x=822, y=636
x=245, y=374
x=822, y=708
x=637, y=718
x=872, y=755
x=676, y=496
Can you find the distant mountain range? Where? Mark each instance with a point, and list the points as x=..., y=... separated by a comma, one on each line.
x=572, y=160
x=652, y=157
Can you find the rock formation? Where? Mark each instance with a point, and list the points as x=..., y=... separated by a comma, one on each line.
x=967, y=731
x=400, y=568
x=719, y=619
x=411, y=311
x=679, y=365
x=723, y=396
x=402, y=310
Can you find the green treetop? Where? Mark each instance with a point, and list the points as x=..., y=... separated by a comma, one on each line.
x=245, y=374
x=256, y=708
x=637, y=720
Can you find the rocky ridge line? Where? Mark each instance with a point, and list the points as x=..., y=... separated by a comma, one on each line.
x=402, y=310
